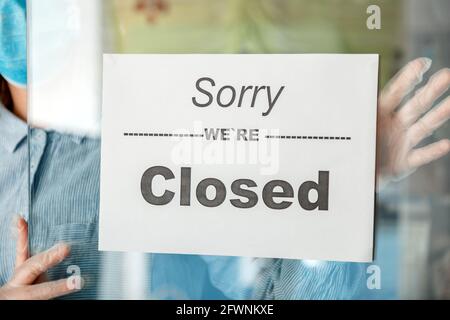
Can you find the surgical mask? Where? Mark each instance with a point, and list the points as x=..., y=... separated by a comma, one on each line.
x=13, y=41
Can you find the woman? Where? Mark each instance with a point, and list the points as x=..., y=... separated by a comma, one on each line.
x=64, y=188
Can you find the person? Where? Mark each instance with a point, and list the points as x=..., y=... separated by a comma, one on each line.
x=64, y=183
x=25, y=283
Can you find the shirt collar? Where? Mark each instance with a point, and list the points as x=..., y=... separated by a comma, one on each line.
x=12, y=130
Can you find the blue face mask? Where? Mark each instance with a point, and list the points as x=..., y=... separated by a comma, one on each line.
x=13, y=41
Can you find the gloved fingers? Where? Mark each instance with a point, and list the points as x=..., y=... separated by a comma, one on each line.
x=427, y=154
x=402, y=84
x=47, y=290
x=429, y=122
x=31, y=269
x=22, y=242
x=424, y=98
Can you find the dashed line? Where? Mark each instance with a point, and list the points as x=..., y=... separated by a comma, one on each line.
x=147, y=134
x=194, y=135
x=308, y=137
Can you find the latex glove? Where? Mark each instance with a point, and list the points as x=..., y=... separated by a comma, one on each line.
x=401, y=128
x=23, y=285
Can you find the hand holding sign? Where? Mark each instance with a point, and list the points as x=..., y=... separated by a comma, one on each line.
x=401, y=129
x=28, y=281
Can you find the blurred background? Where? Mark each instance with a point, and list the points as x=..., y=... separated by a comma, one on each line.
x=413, y=216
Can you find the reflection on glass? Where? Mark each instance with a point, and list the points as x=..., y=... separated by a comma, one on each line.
x=67, y=39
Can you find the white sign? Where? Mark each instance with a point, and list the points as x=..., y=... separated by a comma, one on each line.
x=240, y=155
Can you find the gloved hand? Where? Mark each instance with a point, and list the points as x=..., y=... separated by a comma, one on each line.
x=24, y=283
x=401, y=128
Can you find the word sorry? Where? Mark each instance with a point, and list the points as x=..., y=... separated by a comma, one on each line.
x=241, y=187
x=227, y=95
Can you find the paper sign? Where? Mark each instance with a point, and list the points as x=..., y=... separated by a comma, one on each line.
x=239, y=155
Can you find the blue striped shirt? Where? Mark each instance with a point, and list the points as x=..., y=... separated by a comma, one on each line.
x=64, y=193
